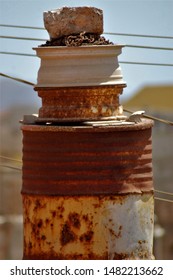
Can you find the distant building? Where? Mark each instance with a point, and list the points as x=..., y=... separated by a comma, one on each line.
x=158, y=101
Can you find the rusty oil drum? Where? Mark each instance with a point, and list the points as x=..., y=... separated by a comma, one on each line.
x=88, y=192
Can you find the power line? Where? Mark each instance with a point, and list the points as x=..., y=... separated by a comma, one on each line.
x=17, y=79
x=149, y=47
x=139, y=35
x=11, y=159
x=123, y=62
x=11, y=167
x=20, y=26
x=108, y=33
x=129, y=46
x=152, y=118
x=163, y=199
x=20, y=54
x=22, y=38
x=163, y=192
x=146, y=63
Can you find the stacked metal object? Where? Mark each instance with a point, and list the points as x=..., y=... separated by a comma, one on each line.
x=87, y=169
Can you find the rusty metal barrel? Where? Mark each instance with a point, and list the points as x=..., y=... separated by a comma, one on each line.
x=88, y=191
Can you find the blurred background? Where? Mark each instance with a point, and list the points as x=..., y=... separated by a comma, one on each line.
x=145, y=27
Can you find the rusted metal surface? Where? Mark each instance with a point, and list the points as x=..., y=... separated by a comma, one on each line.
x=79, y=103
x=88, y=227
x=66, y=160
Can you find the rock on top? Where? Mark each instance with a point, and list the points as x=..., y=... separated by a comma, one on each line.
x=66, y=21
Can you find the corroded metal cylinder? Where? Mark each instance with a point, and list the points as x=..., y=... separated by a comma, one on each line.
x=88, y=192
x=79, y=103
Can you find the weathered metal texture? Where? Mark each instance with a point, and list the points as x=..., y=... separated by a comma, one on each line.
x=87, y=192
x=80, y=103
x=88, y=227
x=79, y=66
x=66, y=160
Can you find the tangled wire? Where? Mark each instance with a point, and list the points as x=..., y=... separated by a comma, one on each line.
x=76, y=40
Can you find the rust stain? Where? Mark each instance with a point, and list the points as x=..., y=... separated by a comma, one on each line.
x=87, y=236
x=87, y=161
x=74, y=220
x=40, y=223
x=53, y=214
x=67, y=235
x=47, y=238
x=43, y=237
x=120, y=256
x=63, y=164
x=78, y=103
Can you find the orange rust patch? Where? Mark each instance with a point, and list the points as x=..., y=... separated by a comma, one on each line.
x=77, y=103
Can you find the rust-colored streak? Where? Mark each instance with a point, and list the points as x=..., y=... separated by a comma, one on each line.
x=80, y=102
x=67, y=235
x=74, y=220
x=87, y=237
x=58, y=162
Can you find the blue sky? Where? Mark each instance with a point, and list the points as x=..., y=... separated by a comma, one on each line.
x=120, y=16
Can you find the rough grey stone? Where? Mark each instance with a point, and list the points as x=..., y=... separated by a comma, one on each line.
x=67, y=21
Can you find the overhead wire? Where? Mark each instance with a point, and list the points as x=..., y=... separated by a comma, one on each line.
x=11, y=167
x=127, y=45
x=21, y=38
x=149, y=47
x=146, y=63
x=21, y=26
x=139, y=35
x=163, y=192
x=16, y=79
x=163, y=199
x=11, y=159
x=125, y=62
x=20, y=54
x=151, y=117
x=108, y=33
